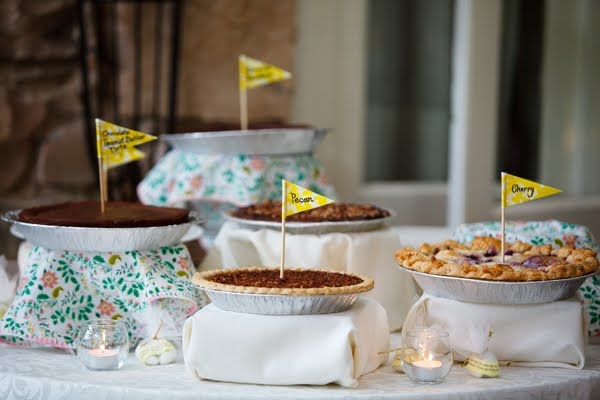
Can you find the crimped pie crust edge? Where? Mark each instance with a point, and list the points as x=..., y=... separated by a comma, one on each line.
x=575, y=261
x=201, y=279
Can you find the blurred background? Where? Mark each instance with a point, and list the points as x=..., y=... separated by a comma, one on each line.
x=428, y=100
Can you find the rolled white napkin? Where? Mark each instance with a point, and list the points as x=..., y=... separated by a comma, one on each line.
x=366, y=253
x=541, y=335
x=286, y=350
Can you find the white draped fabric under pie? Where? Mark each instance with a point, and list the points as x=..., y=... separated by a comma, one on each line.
x=287, y=349
x=541, y=335
x=366, y=253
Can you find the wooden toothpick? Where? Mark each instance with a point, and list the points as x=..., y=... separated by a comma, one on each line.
x=283, y=212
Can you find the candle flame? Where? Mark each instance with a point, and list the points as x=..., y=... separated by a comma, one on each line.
x=103, y=343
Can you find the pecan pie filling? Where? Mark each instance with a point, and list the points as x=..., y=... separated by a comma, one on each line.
x=334, y=212
x=292, y=279
x=296, y=282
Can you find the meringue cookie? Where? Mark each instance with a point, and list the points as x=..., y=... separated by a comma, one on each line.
x=156, y=351
x=409, y=355
x=484, y=365
x=397, y=361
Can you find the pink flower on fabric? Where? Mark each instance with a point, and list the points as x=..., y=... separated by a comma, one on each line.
x=22, y=283
x=196, y=182
x=49, y=279
x=257, y=164
x=183, y=263
x=170, y=186
x=106, y=308
x=569, y=240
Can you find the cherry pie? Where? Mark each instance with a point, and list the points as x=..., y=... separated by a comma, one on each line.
x=481, y=259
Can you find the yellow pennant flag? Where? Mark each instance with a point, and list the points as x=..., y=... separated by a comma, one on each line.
x=116, y=144
x=517, y=190
x=254, y=73
x=298, y=199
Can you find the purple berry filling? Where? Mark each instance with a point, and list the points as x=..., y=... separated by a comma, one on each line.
x=491, y=253
x=540, y=261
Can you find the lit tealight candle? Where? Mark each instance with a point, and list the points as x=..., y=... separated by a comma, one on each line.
x=427, y=357
x=103, y=344
x=101, y=359
x=427, y=370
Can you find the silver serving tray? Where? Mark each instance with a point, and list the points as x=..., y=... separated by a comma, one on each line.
x=272, y=304
x=257, y=141
x=314, y=228
x=15, y=232
x=75, y=238
x=498, y=292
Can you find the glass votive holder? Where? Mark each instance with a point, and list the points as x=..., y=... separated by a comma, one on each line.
x=103, y=344
x=427, y=355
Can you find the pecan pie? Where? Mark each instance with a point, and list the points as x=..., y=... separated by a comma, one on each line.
x=334, y=212
x=297, y=282
x=117, y=214
x=481, y=259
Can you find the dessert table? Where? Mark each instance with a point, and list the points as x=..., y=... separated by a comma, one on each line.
x=27, y=373
x=33, y=373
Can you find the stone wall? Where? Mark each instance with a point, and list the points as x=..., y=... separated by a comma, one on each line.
x=43, y=153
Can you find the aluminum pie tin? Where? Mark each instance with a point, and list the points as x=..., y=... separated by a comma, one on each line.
x=88, y=239
x=498, y=292
x=315, y=228
x=273, y=304
x=256, y=141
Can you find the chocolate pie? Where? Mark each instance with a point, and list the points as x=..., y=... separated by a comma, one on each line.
x=117, y=214
x=481, y=259
x=334, y=212
x=297, y=282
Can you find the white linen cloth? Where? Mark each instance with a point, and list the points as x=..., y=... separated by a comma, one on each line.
x=538, y=335
x=366, y=253
x=51, y=374
x=286, y=349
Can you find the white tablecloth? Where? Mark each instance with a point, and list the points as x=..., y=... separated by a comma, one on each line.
x=52, y=374
x=27, y=373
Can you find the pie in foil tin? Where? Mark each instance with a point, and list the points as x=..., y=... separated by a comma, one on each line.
x=92, y=239
x=259, y=290
x=497, y=292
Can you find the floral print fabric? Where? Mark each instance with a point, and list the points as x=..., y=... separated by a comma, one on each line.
x=214, y=184
x=553, y=232
x=61, y=289
x=237, y=179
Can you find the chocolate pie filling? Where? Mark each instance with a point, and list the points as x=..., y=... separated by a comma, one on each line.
x=117, y=214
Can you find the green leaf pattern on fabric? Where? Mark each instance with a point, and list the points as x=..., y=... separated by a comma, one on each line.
x=60, y=289
x=215, y=184
x=237, y=179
